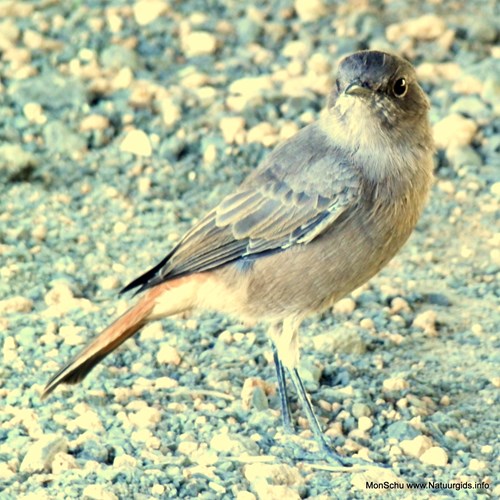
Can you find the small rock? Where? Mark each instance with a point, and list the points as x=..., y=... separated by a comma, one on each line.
x=309, y=371
x=231, y=127
x=365, y=423
x=245, y=495
x=477, y=465
x=63, y=462
x=343, y=339
x=16, y=304
x=417, y=446
x=360, y=410
x=137, y=143
x=395, y=384
x=234, y=445
x=426, y=321
x=59, y=138
x=401, y=430
x=310, y=10
x=34, y=113
x=253, y=394
x=145, y=417
x=276, y=474
x=454, y=131
x=40, y=454
x=482, y=29
x=263, y=133
x=271, y=492
x=491, y=89
x=346, y=305
x=199, y=43
x=251, y=86
x=117, y=57
x=148, y=11
x=94, y=122
x=14, y=161
x=170, y=112
x=168, y=355
x=435, y=456
x=427, y=27
x=98, y=492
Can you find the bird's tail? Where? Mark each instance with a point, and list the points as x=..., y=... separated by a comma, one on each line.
x=114, y=335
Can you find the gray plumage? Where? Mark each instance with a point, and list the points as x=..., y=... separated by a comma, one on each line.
x=323, y=213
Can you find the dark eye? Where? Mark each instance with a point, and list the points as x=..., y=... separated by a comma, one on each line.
x=400, y=87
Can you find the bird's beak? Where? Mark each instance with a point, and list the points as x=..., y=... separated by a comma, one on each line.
x=357, y=89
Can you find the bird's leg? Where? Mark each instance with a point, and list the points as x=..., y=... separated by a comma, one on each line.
x=274, y=333
x=284, y=401
x=287, y=354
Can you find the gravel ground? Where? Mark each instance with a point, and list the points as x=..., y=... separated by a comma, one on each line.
x=121, y=124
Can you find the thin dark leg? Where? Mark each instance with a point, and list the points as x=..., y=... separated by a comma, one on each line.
x=313, y=421
x=285, y=404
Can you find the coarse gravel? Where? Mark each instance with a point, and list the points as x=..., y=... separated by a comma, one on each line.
x=121, y=124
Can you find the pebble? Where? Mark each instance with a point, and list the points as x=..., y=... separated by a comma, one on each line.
x=147, y=417
x=426, y=321
x=417, y=446
x=395, y=384
x=251, y=86
x=276, y=474
x=454, y=131
x=359, y=410
x=435, y=456
x=168, y=355
x=232, y=128
x=147, y=11
x=34, y=113
x=477, y=465
x=14, y=160
x=98, y=492
x=426, y=27
x=41, y=453
x=59, y=138
x=263, y=133
x=199, y=43
x=233, y=444
x=365, y=423
x=94, y=122
x=253, y=394
x=137, y=143
x=16, y=304
x=170, y=111
x=310, y=10
x=346, y=306
x=63, y=462
x=342, y=339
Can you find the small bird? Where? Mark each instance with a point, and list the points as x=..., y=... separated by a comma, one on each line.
x=322, y=214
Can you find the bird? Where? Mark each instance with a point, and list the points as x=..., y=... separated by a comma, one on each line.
x=324, y=212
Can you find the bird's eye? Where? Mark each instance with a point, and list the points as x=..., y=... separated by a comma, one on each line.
x=400, y=87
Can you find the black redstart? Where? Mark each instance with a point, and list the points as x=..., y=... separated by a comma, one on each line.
x=324, y=212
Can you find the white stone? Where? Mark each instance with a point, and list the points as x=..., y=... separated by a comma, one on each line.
x=310, y=10
x=40, y=454
x=417, y=446
x=147, y=11
x=435, y=456
x=137, y=143
x=454, y=131
x=395, y=384
x=199, y=43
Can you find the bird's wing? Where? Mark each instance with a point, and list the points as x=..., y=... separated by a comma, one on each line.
x=294, y=196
